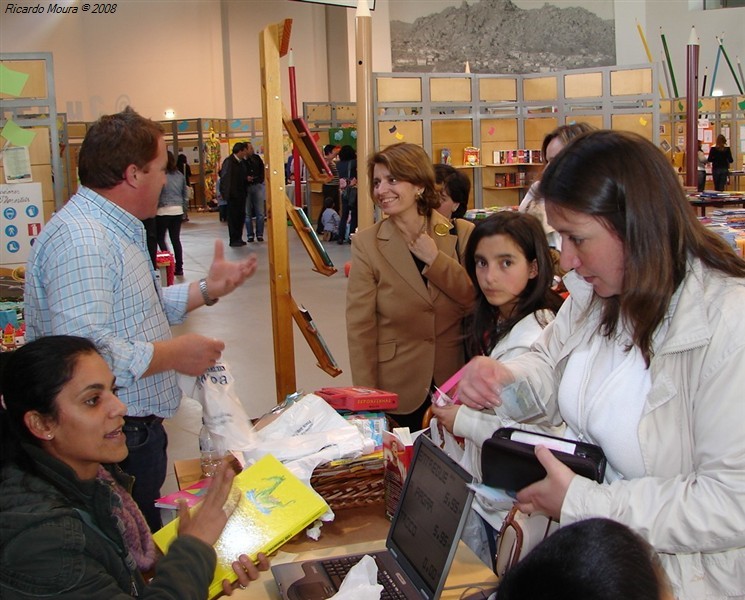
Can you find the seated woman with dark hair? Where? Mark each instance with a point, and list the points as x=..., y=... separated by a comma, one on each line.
x=68, y=526
x=595, y=559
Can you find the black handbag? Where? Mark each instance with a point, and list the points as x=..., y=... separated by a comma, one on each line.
x=511, y=464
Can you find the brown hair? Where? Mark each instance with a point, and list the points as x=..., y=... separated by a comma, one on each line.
x=112, y=144
x=171, y=164
x=631, y=188
x=566, y=133
x=721, y=141
x=408, y=162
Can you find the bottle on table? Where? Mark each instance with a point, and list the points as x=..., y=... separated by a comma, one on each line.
x=210, y=452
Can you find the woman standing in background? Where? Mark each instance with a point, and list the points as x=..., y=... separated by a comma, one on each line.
x=720, y=157
x=407, y=292
x=347, y=167
x=171, y=212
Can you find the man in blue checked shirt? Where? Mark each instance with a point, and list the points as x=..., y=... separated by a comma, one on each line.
x=89, y=274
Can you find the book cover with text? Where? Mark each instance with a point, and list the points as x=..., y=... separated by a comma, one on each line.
x=272, y=507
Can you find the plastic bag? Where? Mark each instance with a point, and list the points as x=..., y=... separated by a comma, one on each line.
x=304, y=428
x=222, y=411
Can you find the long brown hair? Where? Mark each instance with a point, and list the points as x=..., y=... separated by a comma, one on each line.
x=408, y=162
x=627, y=183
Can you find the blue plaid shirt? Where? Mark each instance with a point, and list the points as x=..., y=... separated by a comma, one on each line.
x=89, y=274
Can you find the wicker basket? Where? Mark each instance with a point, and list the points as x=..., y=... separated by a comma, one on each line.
x=350, y=483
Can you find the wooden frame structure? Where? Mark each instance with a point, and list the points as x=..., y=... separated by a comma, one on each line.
x=274, y=42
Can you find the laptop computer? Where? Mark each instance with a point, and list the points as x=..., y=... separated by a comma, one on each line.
x=421, y=543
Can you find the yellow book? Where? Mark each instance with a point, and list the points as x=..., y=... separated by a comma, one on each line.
x=273, y=506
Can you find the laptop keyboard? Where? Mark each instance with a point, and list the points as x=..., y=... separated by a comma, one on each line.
x=337, y=569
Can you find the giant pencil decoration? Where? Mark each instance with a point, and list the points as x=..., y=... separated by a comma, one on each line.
x=666, y=71
x=716, y=68
x=739, y=68
x=703, y=85
x=729, y=64
x=293, y=111
x=649, y=54
x=692, y=108
x=669, y=62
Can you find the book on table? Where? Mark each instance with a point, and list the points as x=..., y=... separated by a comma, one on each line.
x=192, y=495
x=272, y=507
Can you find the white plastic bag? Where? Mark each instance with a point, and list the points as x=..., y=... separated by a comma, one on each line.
x=222, y=410
x=305, y=428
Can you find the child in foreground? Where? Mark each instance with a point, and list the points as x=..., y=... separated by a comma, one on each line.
x=508, y=260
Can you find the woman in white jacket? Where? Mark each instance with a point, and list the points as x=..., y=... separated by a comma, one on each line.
x=645, y=359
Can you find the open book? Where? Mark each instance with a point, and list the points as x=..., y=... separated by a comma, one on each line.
x=273, y=506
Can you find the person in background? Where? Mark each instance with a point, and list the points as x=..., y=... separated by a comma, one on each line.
x=222, y=204
x=151, y=239
x=720, y=157
x=532, y=203
x=347, y=167
x=182, y=164
x=256, y=195
x=89, y=274
x=644, y=359
x=329, y=221
x=509, y=264
x=234, y=188
x=330, y=189
x=702, y=160
x=595, y=559
x=68, y=526
x=407, y=292
x=454, y=187
x=171, y=211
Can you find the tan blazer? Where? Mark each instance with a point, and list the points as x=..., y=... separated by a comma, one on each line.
x=401, y=331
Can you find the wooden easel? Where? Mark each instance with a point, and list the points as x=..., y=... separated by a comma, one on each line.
x=274, y=41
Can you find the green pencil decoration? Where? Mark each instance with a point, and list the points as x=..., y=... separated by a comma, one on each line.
x=716, y=67
x=669, y=62
x=729, y=64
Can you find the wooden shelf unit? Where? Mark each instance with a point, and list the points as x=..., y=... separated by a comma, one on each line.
x=503, y=112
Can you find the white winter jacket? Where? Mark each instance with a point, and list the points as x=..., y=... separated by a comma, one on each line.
x=691, y=504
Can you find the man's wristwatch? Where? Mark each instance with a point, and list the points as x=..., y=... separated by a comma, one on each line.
x=203, y=288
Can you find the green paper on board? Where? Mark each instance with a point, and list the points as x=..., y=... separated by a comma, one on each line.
x=18, y=136
x=741, y=104
x=12, y=82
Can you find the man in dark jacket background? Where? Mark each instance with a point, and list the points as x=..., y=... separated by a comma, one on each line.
x=233, y=187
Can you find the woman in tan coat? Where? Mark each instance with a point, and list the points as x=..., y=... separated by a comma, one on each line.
x=408, y=291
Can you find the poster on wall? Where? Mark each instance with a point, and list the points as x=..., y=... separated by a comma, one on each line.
x=21, y=219
x=17, y=165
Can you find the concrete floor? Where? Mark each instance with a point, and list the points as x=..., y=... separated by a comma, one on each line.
x=243, y=321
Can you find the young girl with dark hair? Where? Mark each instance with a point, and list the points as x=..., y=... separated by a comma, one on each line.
x=508, y=261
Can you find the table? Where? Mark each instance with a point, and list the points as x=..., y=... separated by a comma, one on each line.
x=354, y=530
x=716, y=202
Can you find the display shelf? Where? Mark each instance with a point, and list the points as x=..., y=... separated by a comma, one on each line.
x=501, y=112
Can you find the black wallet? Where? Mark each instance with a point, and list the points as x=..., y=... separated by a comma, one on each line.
x=512, y=465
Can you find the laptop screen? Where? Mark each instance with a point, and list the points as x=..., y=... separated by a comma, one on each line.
x=429, y=520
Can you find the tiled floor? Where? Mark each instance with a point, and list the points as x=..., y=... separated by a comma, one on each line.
x=243, y=321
